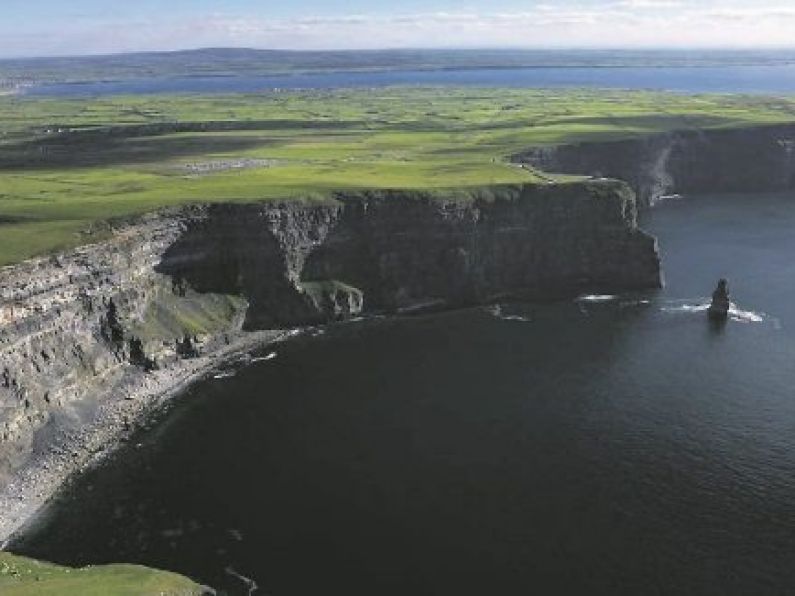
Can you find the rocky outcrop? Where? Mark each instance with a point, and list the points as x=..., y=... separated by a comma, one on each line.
x=120, y=319
x=721, y=303
x=757, y=159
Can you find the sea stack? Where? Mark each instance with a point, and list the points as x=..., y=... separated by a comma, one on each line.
x=719, y=309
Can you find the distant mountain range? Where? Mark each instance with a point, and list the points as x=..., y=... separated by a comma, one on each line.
x=212, y=62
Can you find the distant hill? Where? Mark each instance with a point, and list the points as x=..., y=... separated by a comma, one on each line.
x=241, y=62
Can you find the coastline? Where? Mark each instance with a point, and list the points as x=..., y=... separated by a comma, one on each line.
x=78, y=331
x=124, y=408
x=15, y=90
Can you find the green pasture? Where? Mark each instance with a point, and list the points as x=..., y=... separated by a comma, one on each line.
x=66, y=164
x=25, y=577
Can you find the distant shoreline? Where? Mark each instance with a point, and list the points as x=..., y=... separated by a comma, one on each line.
x=749, y=79
x=15, y=88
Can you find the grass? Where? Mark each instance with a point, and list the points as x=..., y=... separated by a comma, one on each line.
x=25, y=577
x=119, y=156
x=170, y=317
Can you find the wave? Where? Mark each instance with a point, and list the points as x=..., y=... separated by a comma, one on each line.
x=597, y=298
x=681, y=306
x=497, y=312
x=746, y=316
x=516, y=318
x=697, y=306
x=271, y=356
x=633, y=303
x=701, y=305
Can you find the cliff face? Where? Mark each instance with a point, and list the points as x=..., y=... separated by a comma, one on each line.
x=110, y=320
x=758, y=159
x=393, y=251
x=76, y=326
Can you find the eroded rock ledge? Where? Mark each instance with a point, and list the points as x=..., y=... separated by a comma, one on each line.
x=125, y=318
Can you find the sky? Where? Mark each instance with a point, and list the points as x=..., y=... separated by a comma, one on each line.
x=75, y=27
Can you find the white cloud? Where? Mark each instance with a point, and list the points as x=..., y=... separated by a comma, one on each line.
x=613, y=23
x=649, y=4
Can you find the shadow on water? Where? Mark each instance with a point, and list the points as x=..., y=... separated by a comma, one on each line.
x=717, y=327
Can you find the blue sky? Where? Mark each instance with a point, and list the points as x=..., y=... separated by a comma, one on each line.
x=63, y=27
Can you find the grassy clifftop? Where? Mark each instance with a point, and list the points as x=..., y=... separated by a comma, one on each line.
x=25, y=577
x=65, y=164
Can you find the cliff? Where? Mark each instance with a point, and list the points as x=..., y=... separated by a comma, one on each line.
x=398, y=251
x=752, y=159
x=114, y=324
x=73, y=327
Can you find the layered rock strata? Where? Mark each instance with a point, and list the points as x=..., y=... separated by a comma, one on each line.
x=170, y=293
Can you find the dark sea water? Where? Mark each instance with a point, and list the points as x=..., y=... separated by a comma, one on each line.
x=728, y=79
x=601, y=447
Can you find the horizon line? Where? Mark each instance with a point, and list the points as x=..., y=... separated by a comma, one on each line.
x=547, y=48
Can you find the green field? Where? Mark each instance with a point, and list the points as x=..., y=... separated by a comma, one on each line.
x=67, y=164
x=24, y=577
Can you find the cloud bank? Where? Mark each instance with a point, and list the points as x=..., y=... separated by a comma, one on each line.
x=610, y=24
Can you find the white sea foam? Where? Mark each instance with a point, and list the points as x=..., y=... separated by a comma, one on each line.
x=516, y=318
x=633, y=303
x=745, y=316
x=271, y=356
x=224, y=375
x=497, y=312
x=701, y=305
x=686, y=308
x=597, y=298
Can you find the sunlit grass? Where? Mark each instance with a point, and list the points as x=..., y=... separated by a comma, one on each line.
x=311, y=143
x=24, y=577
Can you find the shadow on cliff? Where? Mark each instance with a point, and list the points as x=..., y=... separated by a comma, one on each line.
x=400, y=251
x=225, y=254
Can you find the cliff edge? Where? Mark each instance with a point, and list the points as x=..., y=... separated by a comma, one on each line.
x=749, y=159
x=92, y=338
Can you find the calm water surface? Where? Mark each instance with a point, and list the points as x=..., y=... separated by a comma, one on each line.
x=615, y=447
x=729, y=79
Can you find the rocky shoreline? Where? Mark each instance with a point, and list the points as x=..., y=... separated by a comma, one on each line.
x=122, y=413
x=93, y=340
